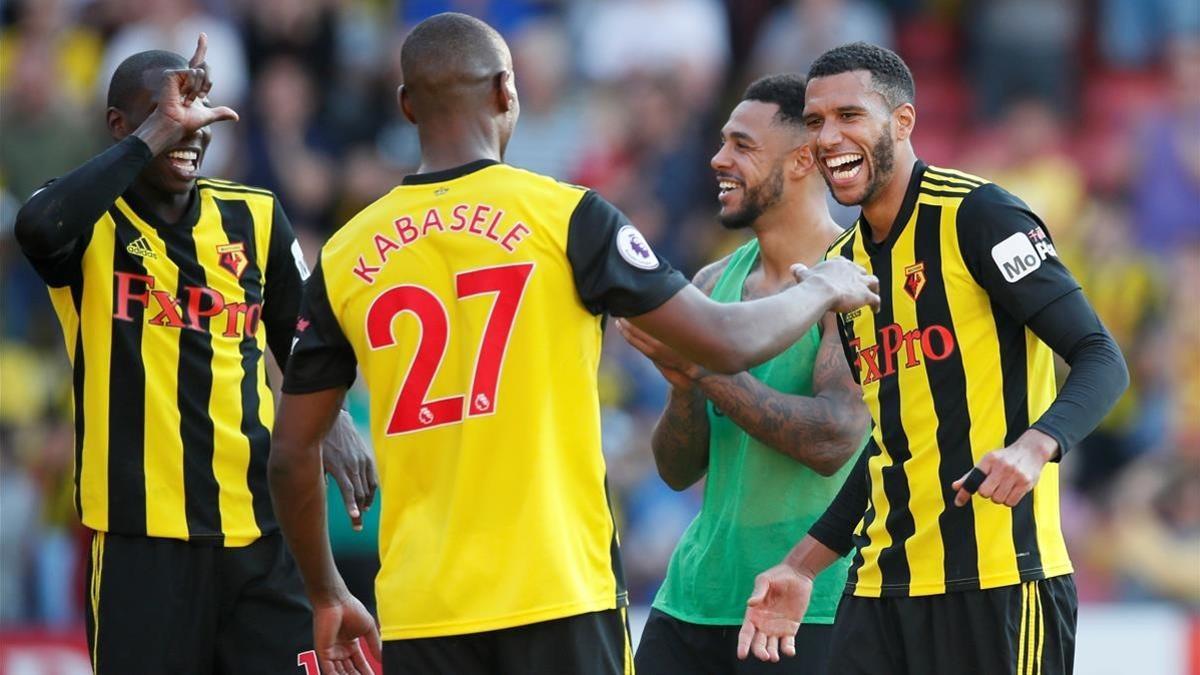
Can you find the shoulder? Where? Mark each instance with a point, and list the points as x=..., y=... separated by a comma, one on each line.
x=227, y=189
x=545, y=186
x=708, y=275
x=839, y=242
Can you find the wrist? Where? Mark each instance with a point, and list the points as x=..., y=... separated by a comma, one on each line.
x=826, y=292
x=159, y=133
x=1040, y=444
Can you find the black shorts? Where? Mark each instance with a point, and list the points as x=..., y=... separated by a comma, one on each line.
x=587, y=644
x=670, y=647
x=1027, y=629
x=166, y=606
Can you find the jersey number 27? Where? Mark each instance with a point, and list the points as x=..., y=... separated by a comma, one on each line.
x=413, y=412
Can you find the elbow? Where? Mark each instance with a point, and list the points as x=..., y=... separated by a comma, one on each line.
x=675, y=482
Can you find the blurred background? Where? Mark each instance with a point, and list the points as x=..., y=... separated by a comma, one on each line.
x=1087, y=110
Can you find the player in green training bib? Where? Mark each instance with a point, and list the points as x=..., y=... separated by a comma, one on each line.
x=775, y=442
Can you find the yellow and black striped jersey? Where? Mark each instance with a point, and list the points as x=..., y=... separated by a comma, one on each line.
x=472, y=300
x=950, y=371
x=166, y=325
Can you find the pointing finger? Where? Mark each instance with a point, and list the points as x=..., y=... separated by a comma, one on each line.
x=201, y=50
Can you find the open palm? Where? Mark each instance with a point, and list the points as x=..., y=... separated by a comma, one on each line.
x=773, y=613
x=337, y=628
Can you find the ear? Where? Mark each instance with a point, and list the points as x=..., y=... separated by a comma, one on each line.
x=118, y=127
x=802, y=159
x=506, y=91
x=405, y=104
x=905, y=118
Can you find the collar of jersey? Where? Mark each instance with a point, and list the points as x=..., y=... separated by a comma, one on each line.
x=187, y=221
x=898, y=225
x=448, y=174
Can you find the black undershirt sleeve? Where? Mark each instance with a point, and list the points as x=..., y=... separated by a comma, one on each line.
x=615, y=271
x=322, y=358
x=60, y=215
x=835, y=528
x=284, y=289
x=1098, y=374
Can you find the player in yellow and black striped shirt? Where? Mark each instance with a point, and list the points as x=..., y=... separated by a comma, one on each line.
x=169, y=289
x=957, y=370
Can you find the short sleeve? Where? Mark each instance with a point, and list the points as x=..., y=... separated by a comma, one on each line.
x=285, y=276
x=616, y=272
x=321, y=357
x=1009, y=251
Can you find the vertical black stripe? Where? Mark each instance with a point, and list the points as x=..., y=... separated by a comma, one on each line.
x=202, y=494
x=1014, y=372
x=127, y=390
x=238, y=224
x=893, y=560
x=614, y=551
x=948, y=384
x=78, y=377
x=846, y=329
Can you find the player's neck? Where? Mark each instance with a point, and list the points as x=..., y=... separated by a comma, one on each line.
x=453, y=144
x=881, y=212
x=790, y=233
x=167, y=207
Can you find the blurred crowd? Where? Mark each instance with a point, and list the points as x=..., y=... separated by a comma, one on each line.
x=1089, y=111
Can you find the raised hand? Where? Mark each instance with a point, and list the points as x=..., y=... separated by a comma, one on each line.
x=337, y=629
x=850, y=285
x=773, y=613
x=183, y=94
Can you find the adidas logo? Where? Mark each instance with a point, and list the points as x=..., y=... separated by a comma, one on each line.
x=141, y=247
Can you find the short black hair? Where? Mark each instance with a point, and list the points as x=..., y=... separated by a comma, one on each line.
x=128, y=79
x=450, y=41
x=890, y=76
x=785, y=90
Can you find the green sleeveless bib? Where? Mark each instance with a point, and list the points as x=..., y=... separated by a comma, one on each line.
x=757, y=502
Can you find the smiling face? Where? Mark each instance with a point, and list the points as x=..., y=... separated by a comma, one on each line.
x=175, y=170
x=853, y=134
x=750, y=165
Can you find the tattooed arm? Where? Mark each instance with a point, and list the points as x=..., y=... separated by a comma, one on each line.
x=680, y=439
x=822, y=431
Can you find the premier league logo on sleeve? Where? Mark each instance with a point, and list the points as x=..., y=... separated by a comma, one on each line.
x=634, y=249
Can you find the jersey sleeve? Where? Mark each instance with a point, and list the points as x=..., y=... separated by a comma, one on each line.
x=615, y=270
x=321, y=357
x=1010, y=253
x=285, y=275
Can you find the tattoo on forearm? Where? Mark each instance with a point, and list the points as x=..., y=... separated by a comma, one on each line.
x=680, y=439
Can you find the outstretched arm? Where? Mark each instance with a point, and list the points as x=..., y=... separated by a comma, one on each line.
x=730, y=338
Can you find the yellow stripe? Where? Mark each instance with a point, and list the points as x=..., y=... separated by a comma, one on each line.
x=231, y=448
x=97, y=570
x=925, y=550
x=979, y=345
x=1041, y=629
x=166, y=504
x=947, y=188
x=840, y=240
x=263, y=213
x=943, y=172
x=216, y=184
x=1042, y=390
x=1024, y=627
x=95, y=324
x=870, y=579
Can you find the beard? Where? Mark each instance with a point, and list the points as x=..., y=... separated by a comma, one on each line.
x=883, y=161
x=756, y=201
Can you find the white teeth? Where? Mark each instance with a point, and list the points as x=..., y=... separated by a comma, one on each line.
x=835, y=162
x=727, y=185
x=188, y=155
x=847, y=173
